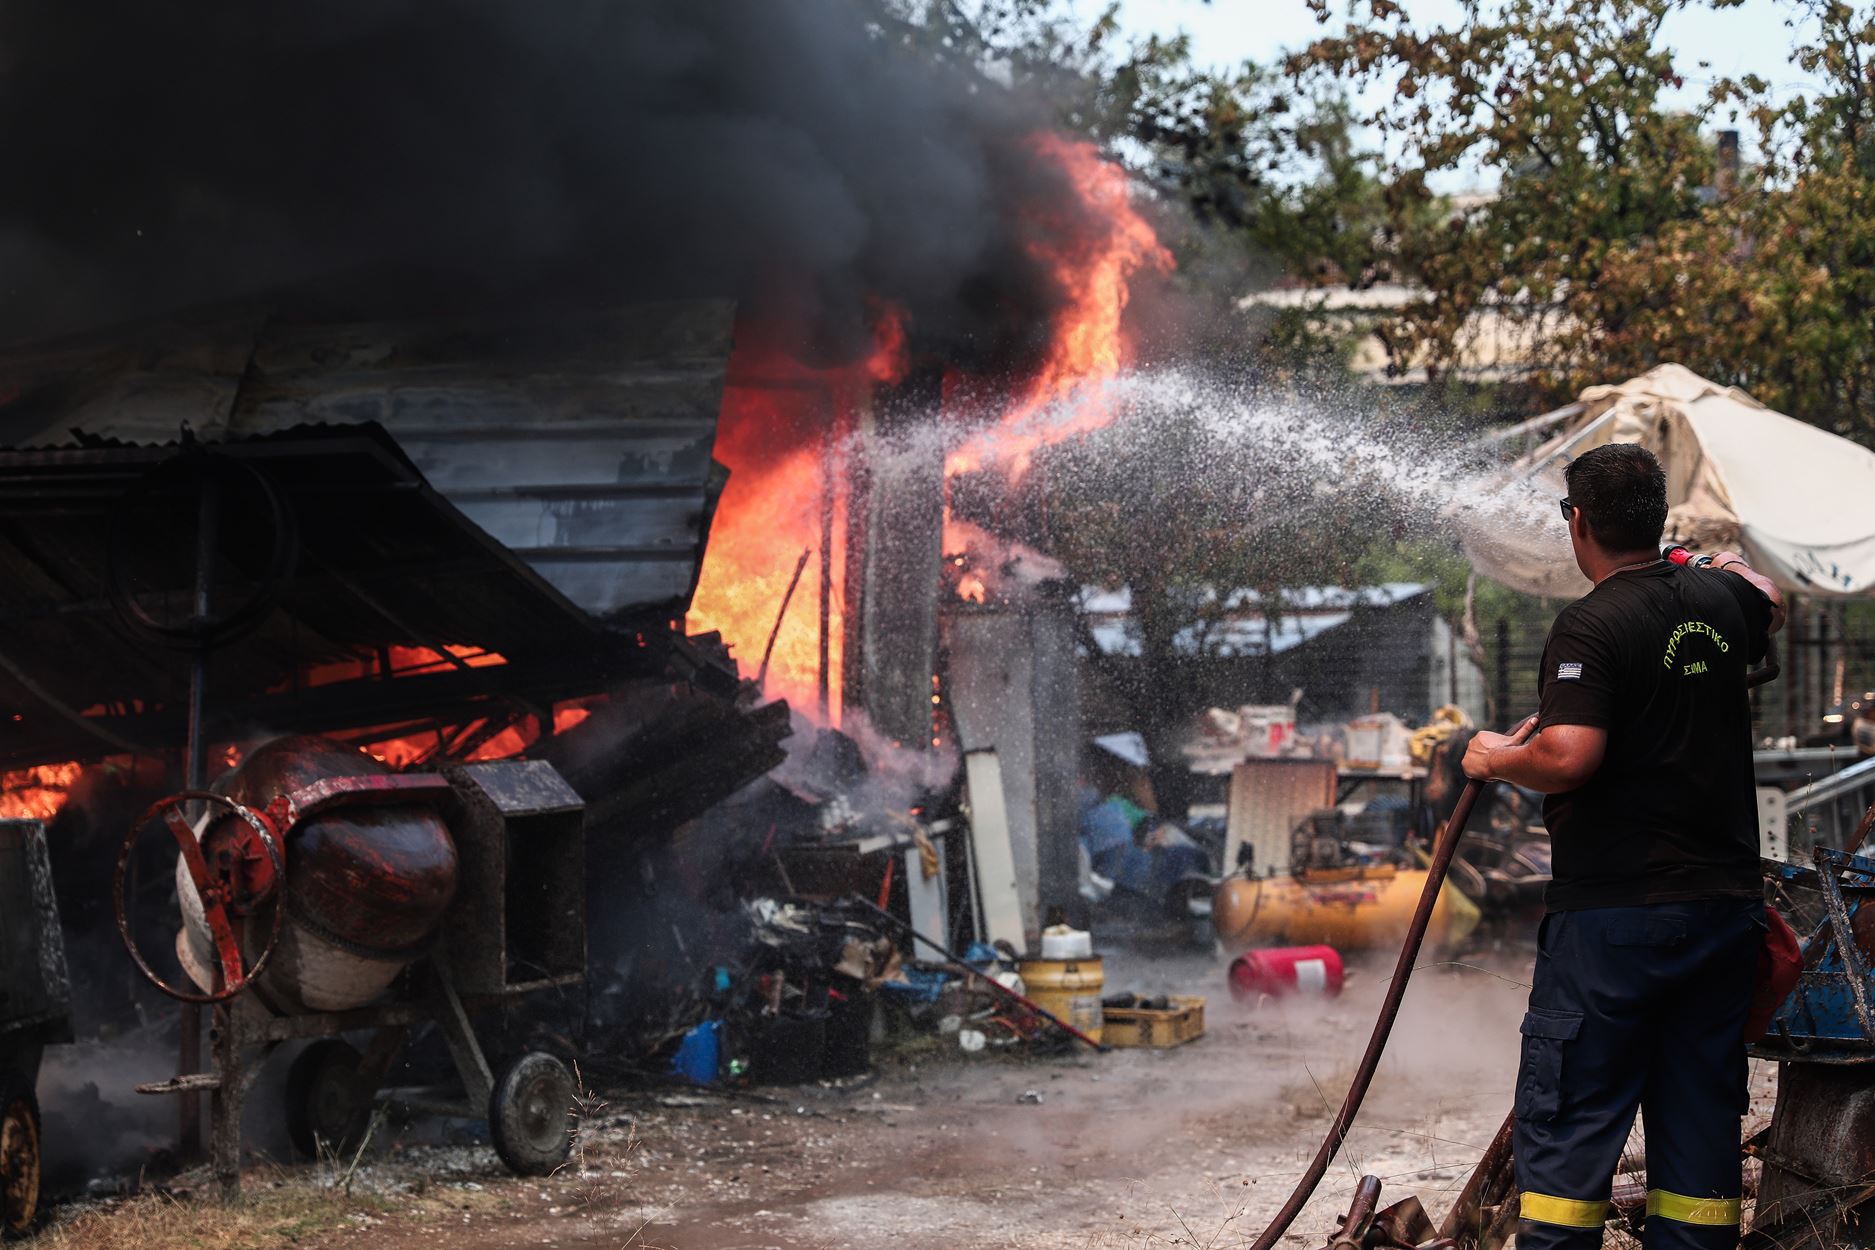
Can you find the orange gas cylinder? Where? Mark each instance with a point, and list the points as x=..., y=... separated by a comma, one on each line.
x=1286, y=970
x=1351, y=909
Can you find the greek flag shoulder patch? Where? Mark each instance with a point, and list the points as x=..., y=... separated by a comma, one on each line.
x=1569, y=670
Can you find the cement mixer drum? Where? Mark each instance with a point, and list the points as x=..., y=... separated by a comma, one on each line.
x=367, y=882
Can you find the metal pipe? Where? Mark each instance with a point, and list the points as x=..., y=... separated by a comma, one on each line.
x=1469, y=1208
x=1353, y=1230
x=824, y=654
x=1848, y=781
x=1861, y=832
x=994, y=984
x=787, y=597
x=195, y=777
x=1554, y=417
x=1383, y=1027
x=1535, y=464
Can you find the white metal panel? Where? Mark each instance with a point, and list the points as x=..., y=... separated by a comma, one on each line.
x=1268, y=798
x=999, y=903
x=1773, y=824
x=929, y=915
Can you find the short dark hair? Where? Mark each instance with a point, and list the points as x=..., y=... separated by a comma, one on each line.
x=1622, y=492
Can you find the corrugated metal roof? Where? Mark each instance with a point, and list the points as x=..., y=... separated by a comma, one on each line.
x=382, y=561
x=581, y=442
x=1242, y=629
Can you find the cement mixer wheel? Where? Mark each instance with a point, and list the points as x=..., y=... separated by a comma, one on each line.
x=327, y=1105
x=19, y=1156
x=532, y=1114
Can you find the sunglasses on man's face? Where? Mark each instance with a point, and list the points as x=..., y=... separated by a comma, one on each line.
x=1568, y=509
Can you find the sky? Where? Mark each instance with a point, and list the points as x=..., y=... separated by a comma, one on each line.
x=1751, y=38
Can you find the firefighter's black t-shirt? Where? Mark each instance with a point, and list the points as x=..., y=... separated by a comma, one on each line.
x=1657, y=656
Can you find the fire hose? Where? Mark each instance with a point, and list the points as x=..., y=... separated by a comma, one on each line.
x=1443, y=851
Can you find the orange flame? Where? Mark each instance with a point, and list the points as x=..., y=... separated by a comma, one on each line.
x=777, y=435
x=404, y=662
x=567, y=715
x=890, y=357
x=781, y=421
x=1089, y=344
x=37, y=793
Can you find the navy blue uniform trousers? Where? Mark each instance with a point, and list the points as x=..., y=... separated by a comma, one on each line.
x=1636, y=1007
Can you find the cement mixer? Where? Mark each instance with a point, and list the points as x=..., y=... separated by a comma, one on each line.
x=323, y=893
x=371, y=874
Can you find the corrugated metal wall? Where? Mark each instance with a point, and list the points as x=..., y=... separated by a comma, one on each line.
x=582, y=441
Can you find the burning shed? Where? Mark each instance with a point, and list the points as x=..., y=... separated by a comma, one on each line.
x=338, y=592
x=443, y=542
x=503, y=517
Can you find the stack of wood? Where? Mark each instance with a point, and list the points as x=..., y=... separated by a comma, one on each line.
x=660, y=753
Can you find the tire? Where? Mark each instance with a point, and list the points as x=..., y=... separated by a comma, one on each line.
x=20, y=1162
x=531, y=1114
x=326, y=1102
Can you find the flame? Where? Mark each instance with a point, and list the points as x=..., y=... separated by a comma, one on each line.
x=568, y=715
x=1088, y=344
x=408, y=660
x=778, y=437
x=402, y=752
x=403, y=661
x=782, y=423
x=890, y=358
x=507, y=744
x=37, y=793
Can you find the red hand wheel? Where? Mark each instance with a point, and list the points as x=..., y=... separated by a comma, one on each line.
x=237, y=883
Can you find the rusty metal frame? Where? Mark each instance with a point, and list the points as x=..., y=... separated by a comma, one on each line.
x=245, y=1033
x=1829, y=863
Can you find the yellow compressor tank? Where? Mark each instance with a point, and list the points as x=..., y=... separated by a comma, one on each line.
x=1350, y=909
x=1068, y=988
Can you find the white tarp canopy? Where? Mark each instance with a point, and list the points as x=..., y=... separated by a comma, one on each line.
x=1796, y=501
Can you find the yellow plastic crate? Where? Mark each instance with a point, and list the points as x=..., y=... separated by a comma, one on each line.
x=1136, y=1026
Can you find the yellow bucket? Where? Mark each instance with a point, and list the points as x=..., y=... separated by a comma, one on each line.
x=1069, y=988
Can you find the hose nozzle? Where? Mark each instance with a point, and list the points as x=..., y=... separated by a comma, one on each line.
x=1674, y=553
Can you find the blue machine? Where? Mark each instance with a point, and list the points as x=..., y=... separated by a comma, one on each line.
x=1830, y=1016
x=1818, y=1183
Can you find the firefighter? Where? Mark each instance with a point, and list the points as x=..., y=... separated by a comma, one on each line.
x=1655, y=916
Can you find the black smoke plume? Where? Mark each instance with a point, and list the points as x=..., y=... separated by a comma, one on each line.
x=805, y=153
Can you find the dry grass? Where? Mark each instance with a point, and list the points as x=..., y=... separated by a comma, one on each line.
x=1318, y=1097
x=278, y=1208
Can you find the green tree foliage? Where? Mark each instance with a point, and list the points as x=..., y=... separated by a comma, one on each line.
x=1562, y=102
x=1800, y=320
x=1614, y=241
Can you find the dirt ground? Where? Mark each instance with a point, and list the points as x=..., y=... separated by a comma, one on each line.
x=1189, y=1147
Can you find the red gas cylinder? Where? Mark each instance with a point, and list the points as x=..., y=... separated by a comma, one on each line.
x=1286, y=970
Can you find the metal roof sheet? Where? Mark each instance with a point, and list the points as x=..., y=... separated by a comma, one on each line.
x=383, y=560
x=582, y=441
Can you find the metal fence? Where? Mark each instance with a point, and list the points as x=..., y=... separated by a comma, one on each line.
x=1826, y=653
